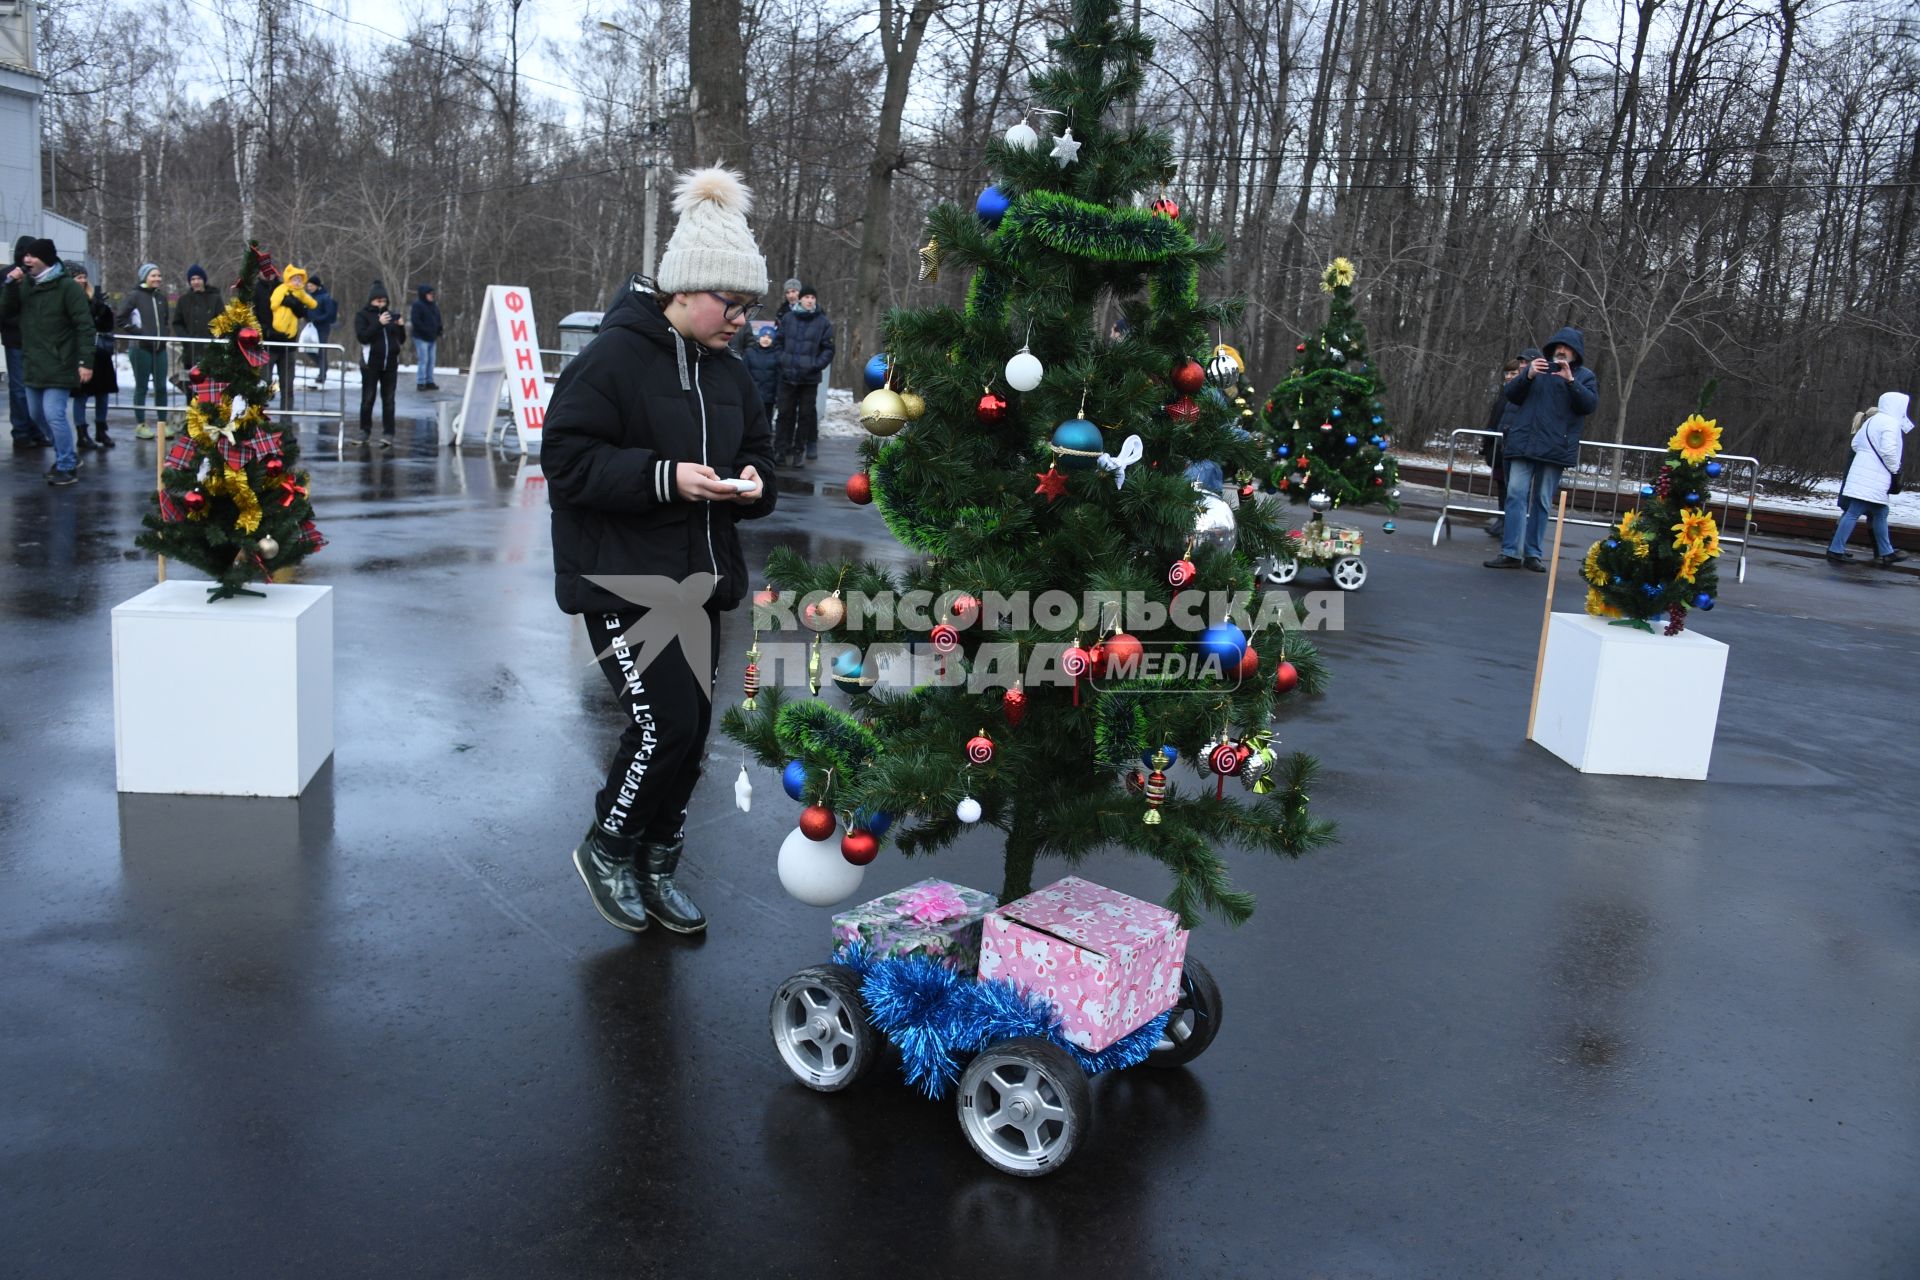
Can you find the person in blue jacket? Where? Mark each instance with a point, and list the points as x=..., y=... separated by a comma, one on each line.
x=424, y=319
x=1551, y=398
x=325, y=314
x=763, y=362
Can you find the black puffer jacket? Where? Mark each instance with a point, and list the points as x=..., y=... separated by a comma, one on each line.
x=764, y=364
x=637, y=401
x=10, y=329
x=805, y=343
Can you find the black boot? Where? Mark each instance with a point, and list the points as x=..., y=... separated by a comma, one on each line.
x=605, y=863
x=665, y=902
x=100, y=437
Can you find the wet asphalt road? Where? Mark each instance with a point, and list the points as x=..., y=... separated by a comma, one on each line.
x=1519, y=1022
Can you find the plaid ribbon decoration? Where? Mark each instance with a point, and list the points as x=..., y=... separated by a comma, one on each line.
x=181, y=455
x=210, y=391
x=310, y=536
x=257, y=447
x=170, y=511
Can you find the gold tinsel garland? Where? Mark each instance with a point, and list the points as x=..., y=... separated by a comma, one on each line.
x=237, y=315
x=221, y=478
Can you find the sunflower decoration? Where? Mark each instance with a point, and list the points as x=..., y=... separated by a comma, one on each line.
x=1696, y=439
x=1659, y=559
x=1338, y=275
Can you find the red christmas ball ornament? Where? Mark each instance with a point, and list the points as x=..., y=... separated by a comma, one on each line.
x=1181, y=572
x=1225, y=759
x=817, y=822
x=1299, y=348
x=1285, y=677
x=1014, y=704
x=275, y=466
x=964, y=608
x=991, y=409
x=1136, y=782
x=1166, y=207
x=196, y=375
x=194, y=500
x=1189, y=376
x=1076, y=661
x=1246, y=491
x=764, y=598
x=1249, y=664
x=979, y=748
x=859, y=847
x=860, y=488
x=1123, y=653
x=1097, y=660
x=945, y=637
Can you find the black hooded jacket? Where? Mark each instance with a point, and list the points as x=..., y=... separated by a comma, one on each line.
x=10, y=328
x=639, y=400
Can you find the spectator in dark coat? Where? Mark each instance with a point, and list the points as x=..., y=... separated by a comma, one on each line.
x=105, y=380
x=763, y=362
x=194, y=312
x=144, y=320
x=425, y=318
x=381, y=335
x=805, y=343
x=325, y=314
x=56, y=337
x=1552, y=397
x=25, y=434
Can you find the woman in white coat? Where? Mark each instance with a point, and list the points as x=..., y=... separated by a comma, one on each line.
x=1877, y=447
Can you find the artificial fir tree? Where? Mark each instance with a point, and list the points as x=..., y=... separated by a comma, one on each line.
x=1325, y=423
x=1658, y=559
x=232, y=501
x=1003, y=458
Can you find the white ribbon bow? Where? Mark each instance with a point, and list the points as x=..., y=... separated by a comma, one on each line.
x=1130, y=451
x=234, y=414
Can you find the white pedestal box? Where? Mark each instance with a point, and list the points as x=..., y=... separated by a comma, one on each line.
x=1617, y=700
x=233, y=698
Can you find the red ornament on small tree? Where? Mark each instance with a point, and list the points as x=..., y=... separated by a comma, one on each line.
x=991, y=409
x=817, y=822
x=859, y=847
x=1189, y=377
x=1285, y=677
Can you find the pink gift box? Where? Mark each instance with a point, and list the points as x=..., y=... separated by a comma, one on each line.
x=1108, y=962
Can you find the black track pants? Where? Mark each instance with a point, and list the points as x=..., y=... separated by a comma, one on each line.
x=667, y=714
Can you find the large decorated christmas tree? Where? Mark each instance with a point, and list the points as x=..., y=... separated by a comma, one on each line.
x=1020, y=449
x=1658, y=559
x=232, y=501
x=1324, y=421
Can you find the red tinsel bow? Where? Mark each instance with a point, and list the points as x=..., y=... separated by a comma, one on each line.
x=294, y=489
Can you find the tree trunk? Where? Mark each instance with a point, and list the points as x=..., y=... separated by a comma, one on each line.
x=717, y=72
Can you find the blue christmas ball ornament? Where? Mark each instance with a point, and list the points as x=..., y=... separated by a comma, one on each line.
x=846, y=665
x=1076, y=443
x=1352, y=441
x=876, y=372
x=991, y=206
x=1646, y=491
x=1282, y=451
x=1377, y=419
x=1693, y=497
x=1387, y=527
x=1612, y=543
x=1226, y=642
x=1173, y=753
x=1336, y=411
x=1714, y=468
x=1651, y=588
x=794, y=778
x=1703, y=601
x=1377, y=442
x=875, y=821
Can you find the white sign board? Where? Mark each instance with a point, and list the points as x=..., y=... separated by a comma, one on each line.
x=506, y=347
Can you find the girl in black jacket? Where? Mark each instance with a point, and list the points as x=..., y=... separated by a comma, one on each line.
x=655, y=443
x=381, y=336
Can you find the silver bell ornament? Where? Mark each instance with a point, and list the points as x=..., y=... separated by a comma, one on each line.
x=1320, y=502
x=1214, y=524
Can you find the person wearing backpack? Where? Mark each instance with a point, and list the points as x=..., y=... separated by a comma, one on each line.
x=1873, y=475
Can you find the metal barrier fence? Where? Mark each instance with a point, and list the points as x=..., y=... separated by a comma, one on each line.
x=121, y=399
x=1604, y=482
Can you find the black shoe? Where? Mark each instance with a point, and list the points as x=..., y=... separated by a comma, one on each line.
x=60, y=479
x=1839, y=557
x=1493, y=529
x=605, y=864
x=1536, y=564
x=1502, y=562
x=102, y=440
x=1891, y=559
x=81, y=442
x=663, y=898
x=813, y=453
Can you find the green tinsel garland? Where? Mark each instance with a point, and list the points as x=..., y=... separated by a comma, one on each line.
x=814, y=730
x=1050, y=220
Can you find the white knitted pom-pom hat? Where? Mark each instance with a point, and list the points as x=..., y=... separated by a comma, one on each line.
x=712, y=247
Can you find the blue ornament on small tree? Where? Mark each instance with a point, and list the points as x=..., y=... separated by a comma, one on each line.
x=1352, y=441
x=1282, y=451
x=1225, y=641
x=991, y=206
x=1377, y=419
x=1173, y=753
x=1703, y=601
x=1714, y=468
x=1077, y=442
x=794, y=779
x=873, y=821
x=1336, y=411
x=876, y=372
x=1646, y=491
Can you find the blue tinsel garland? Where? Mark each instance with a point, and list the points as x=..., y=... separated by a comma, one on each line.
x=938, y=1018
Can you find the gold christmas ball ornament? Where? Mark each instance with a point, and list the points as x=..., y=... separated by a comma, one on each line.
x=915, y=406
x=883, y=412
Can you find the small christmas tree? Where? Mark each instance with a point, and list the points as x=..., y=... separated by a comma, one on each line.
x=1659, y=558
x=231, y=501
x=1069, y=482
x=1324, y=421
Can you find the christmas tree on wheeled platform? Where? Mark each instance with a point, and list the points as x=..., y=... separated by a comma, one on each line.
x=1018, y=448
x=232, y=501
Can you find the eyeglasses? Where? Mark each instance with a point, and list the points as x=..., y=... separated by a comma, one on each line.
x=735, y=310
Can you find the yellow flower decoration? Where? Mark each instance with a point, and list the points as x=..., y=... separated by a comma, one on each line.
x=1598, y=607
x=1690, y=564
x=1708, y=544
x=1697, y=439
x=1590, y=569
x=1339, y=275
x=1695, y=524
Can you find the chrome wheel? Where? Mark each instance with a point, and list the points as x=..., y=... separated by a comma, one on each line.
x=1194, y=1021
x=820, y=1028
x=1349, y=572
x=1025, y=1106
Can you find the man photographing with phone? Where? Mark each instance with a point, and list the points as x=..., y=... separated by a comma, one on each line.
x=1552, y=396
x=655, y=444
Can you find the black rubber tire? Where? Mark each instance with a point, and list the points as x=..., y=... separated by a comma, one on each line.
x=825, y=995
x=1194, y=1021
x=1044, y=1074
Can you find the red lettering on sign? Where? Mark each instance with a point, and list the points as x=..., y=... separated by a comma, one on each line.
x=517, y=332
x=530, y=389
x=515, y=302
x=522, y=358
x=535, y=417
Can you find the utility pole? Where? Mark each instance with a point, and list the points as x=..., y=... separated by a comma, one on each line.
x=650, y=148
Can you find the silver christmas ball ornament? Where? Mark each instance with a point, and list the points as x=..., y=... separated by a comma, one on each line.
x=1214, y=524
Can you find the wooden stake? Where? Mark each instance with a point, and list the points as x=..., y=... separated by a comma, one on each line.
x=159, y=484
x=1546, y=613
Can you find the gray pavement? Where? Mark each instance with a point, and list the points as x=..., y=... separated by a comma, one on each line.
x=1519, y=1022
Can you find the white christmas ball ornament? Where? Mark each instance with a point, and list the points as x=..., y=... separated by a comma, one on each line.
x=1024, y=371
x=1022, y=137
x=968, y=810
x=269, y=547
x=814, y=872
